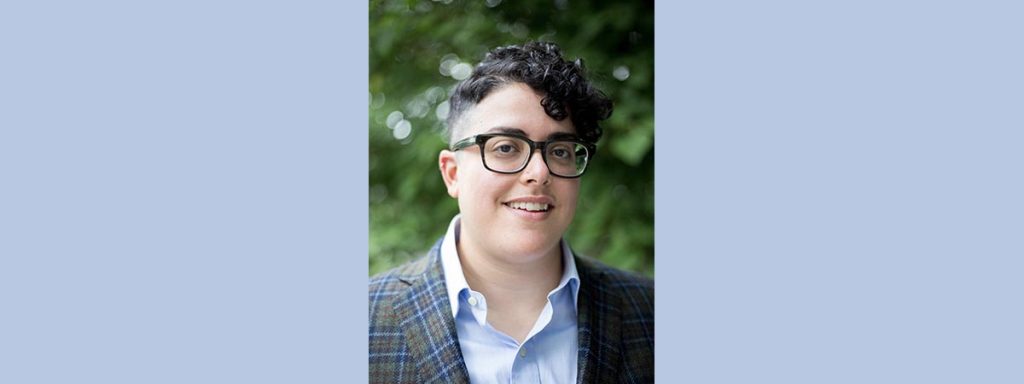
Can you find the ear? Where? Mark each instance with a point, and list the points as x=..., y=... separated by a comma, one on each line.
x=449, y=171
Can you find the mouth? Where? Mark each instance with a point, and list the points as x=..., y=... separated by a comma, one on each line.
x=528, y=207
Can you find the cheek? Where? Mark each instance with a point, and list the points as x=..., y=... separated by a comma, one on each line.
x=569, y=195
x=480, y=191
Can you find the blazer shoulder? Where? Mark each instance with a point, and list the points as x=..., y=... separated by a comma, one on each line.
x=614, y=277
x=403, y=273
x=386, y=287
x=637, y=290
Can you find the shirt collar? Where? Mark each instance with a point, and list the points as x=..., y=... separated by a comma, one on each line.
x=455, y=279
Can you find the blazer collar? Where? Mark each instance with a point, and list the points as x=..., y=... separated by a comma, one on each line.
x=428, y=324
x=429, y=327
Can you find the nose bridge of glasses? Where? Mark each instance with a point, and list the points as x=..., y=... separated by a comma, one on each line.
x=537, y=150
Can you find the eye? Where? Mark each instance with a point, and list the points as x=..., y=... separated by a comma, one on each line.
x=505, y=147
x=561, y=151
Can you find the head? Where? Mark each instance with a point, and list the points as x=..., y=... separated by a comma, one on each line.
x=530, y=91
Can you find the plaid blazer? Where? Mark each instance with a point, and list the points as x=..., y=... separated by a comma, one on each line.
x=413, y=338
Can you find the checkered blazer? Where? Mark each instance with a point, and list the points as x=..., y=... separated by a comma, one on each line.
x=413, y=339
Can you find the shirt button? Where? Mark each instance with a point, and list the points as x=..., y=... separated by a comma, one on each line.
x=522, y=352
x=472, y=301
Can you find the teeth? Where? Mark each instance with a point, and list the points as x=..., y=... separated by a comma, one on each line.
x=532, y=207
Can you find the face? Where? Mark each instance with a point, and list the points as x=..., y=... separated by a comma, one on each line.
x=496, y=220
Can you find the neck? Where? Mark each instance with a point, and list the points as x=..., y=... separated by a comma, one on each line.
x=508, y=280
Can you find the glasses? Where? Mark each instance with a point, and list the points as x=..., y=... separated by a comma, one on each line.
x=505, y=153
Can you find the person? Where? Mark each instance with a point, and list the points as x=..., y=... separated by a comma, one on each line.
x=502, y=297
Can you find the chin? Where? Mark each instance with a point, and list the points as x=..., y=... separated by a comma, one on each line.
x=536, y=247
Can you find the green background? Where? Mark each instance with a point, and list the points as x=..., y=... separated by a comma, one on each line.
x=415, y=49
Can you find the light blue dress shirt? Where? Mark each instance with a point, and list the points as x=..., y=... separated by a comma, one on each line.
x=550, y=350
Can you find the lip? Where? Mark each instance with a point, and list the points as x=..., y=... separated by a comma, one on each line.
x=533, y=199
x=530, y=216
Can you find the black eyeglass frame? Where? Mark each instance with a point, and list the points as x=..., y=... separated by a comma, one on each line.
x=482, y=138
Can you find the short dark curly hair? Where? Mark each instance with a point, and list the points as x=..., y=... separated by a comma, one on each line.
x=567, y=92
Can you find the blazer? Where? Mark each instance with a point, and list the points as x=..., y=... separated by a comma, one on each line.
x=413, y=338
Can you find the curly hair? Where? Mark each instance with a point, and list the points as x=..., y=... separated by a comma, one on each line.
x=567, y=92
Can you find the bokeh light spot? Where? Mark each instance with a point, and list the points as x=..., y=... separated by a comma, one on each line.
x=447, y=62
x=417, y=107
x=520, y=30
x=461, y=71
x=378, y=193
x=442, y=111
x=394, y=118
x=621, y=73
x=377, y=101
x=435, y=94
x=402, y=129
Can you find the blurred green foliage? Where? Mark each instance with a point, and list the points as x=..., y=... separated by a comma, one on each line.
x=409, y=40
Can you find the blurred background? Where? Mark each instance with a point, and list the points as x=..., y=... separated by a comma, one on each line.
x=419, y=49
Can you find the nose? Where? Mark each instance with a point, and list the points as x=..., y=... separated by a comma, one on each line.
x=536, y=170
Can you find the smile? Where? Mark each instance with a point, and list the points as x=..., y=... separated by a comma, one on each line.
x=530, y=207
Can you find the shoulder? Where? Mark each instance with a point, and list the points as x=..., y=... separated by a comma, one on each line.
x=402, y=274
x=385, y=286
x=634, y=292
x=610, y=278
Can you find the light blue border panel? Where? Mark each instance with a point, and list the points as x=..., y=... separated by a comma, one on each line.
x=183, y=192
x=839, y=192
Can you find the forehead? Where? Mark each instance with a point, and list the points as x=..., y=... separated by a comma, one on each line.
x=514, y=106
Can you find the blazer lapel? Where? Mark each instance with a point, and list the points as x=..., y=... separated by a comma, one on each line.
x=429, y=327
x=598, y=321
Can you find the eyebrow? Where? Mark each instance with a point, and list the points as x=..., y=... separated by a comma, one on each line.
x=520, y=132
x=508, y=130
